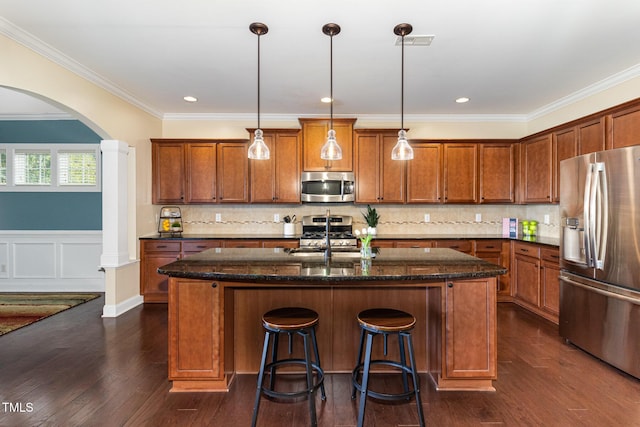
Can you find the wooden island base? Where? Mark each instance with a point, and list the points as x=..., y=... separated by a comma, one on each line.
x=215, y=328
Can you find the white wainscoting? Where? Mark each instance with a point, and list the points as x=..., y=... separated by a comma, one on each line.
x=51, y=261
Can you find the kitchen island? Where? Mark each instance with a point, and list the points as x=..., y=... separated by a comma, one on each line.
x=217, y=298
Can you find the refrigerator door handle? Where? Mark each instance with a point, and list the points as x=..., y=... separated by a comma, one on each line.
x=602, y=215
x=587, y=212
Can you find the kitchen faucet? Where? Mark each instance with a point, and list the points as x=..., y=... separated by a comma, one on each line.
x=327, y=253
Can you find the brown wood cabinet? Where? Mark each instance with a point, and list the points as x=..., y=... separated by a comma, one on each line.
x=201, y=179
x=154, y=254
x=460, y=173
x=314, y=135
x=277, y=180
x=199, y=171
x=233, y=172
x=379, y=179
x=565, y=146
x=424, y=174
x=471, y=306
x=535, y=277
x=498, y=252
x=536, y=171
x=168, y=172
x=195, y=322
x=591, y=136
x=549, y=281
x=464, y=246
x=497, y=170
x=625, y=127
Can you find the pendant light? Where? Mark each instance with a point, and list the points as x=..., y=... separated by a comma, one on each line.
x=331, y=150
x=258, y=150
x=402, y=150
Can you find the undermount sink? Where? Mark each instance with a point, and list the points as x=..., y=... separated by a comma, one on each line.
x=339, y=252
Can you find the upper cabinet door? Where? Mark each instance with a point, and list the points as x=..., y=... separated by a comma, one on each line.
x=201, y=176
x=424, y=176
x=625, y=127
x=536, y=169
x=287, y=174
x=367, y=167
x=168, y=171
x=497, y=172
x=233, y=172
x=460, y=173
x=379, y=179
x=314, y=135
x=591, y=136
x=565, y=146
x=277, y=180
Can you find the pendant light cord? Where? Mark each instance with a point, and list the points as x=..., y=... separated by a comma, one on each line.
x=402, y=88
x=331, y=81
x=259, y=81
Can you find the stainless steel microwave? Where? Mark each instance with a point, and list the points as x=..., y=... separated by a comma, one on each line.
x=328, y=187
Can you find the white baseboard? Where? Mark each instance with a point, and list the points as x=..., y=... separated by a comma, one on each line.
x=110, y=310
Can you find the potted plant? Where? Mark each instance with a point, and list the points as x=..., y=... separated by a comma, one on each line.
x=372, y=218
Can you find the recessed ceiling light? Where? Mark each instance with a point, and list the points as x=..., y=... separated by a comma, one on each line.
x=462, y=100
x=190, y=99
x=326, y=99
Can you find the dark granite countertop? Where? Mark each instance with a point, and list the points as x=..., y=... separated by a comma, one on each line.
x=549, y=241
x=283, y=266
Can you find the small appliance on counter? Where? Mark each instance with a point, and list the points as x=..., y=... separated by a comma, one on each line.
x=170, y=222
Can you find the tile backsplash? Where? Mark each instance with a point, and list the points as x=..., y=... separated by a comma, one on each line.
x=394, y=219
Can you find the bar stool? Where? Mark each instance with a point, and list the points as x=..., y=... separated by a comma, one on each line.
x=385, y=322
x=290, y=320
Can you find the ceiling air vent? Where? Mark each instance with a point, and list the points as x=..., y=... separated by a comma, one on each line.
x=415, y=40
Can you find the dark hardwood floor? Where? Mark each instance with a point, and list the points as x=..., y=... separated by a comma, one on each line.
x=78, y=369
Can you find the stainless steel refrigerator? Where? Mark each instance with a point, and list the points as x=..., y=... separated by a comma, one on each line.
x=600, y=255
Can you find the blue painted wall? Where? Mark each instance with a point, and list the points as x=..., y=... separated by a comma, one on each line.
x=49, y=210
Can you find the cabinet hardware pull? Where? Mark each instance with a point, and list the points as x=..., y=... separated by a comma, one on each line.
x=450, y=285
x=161, y=246
x=214, y=285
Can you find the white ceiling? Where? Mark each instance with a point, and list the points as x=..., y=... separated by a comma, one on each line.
x=510, y=57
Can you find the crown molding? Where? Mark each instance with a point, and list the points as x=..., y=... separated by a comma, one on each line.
x=602, y=85
x=29, y=41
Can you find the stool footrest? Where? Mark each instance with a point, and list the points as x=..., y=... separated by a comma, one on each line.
x=384, y=396
x=291, y=394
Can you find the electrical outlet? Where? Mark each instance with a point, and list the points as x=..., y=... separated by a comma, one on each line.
x=427, y=218
x=218, y=217
x=547, y=220
x=478, y=217
x=276, y=217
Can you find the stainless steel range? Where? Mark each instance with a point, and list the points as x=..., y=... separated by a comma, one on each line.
x=314, y=231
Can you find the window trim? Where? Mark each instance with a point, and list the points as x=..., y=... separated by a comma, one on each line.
x=55, y=186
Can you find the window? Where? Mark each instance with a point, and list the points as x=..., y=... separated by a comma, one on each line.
x=32, y=167
x=50, y=167
x=3, y=167
x=77, y=168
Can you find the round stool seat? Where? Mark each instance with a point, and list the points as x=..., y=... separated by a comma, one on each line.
x=386, y=320
x=289, y=319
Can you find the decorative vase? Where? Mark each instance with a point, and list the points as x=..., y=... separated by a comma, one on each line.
x=365, y=252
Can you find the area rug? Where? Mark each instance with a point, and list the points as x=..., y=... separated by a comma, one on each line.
x=21, y=309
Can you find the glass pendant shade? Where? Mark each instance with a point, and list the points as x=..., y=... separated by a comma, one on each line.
x=258, y=150
x=402, y=150
x=331, y=150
